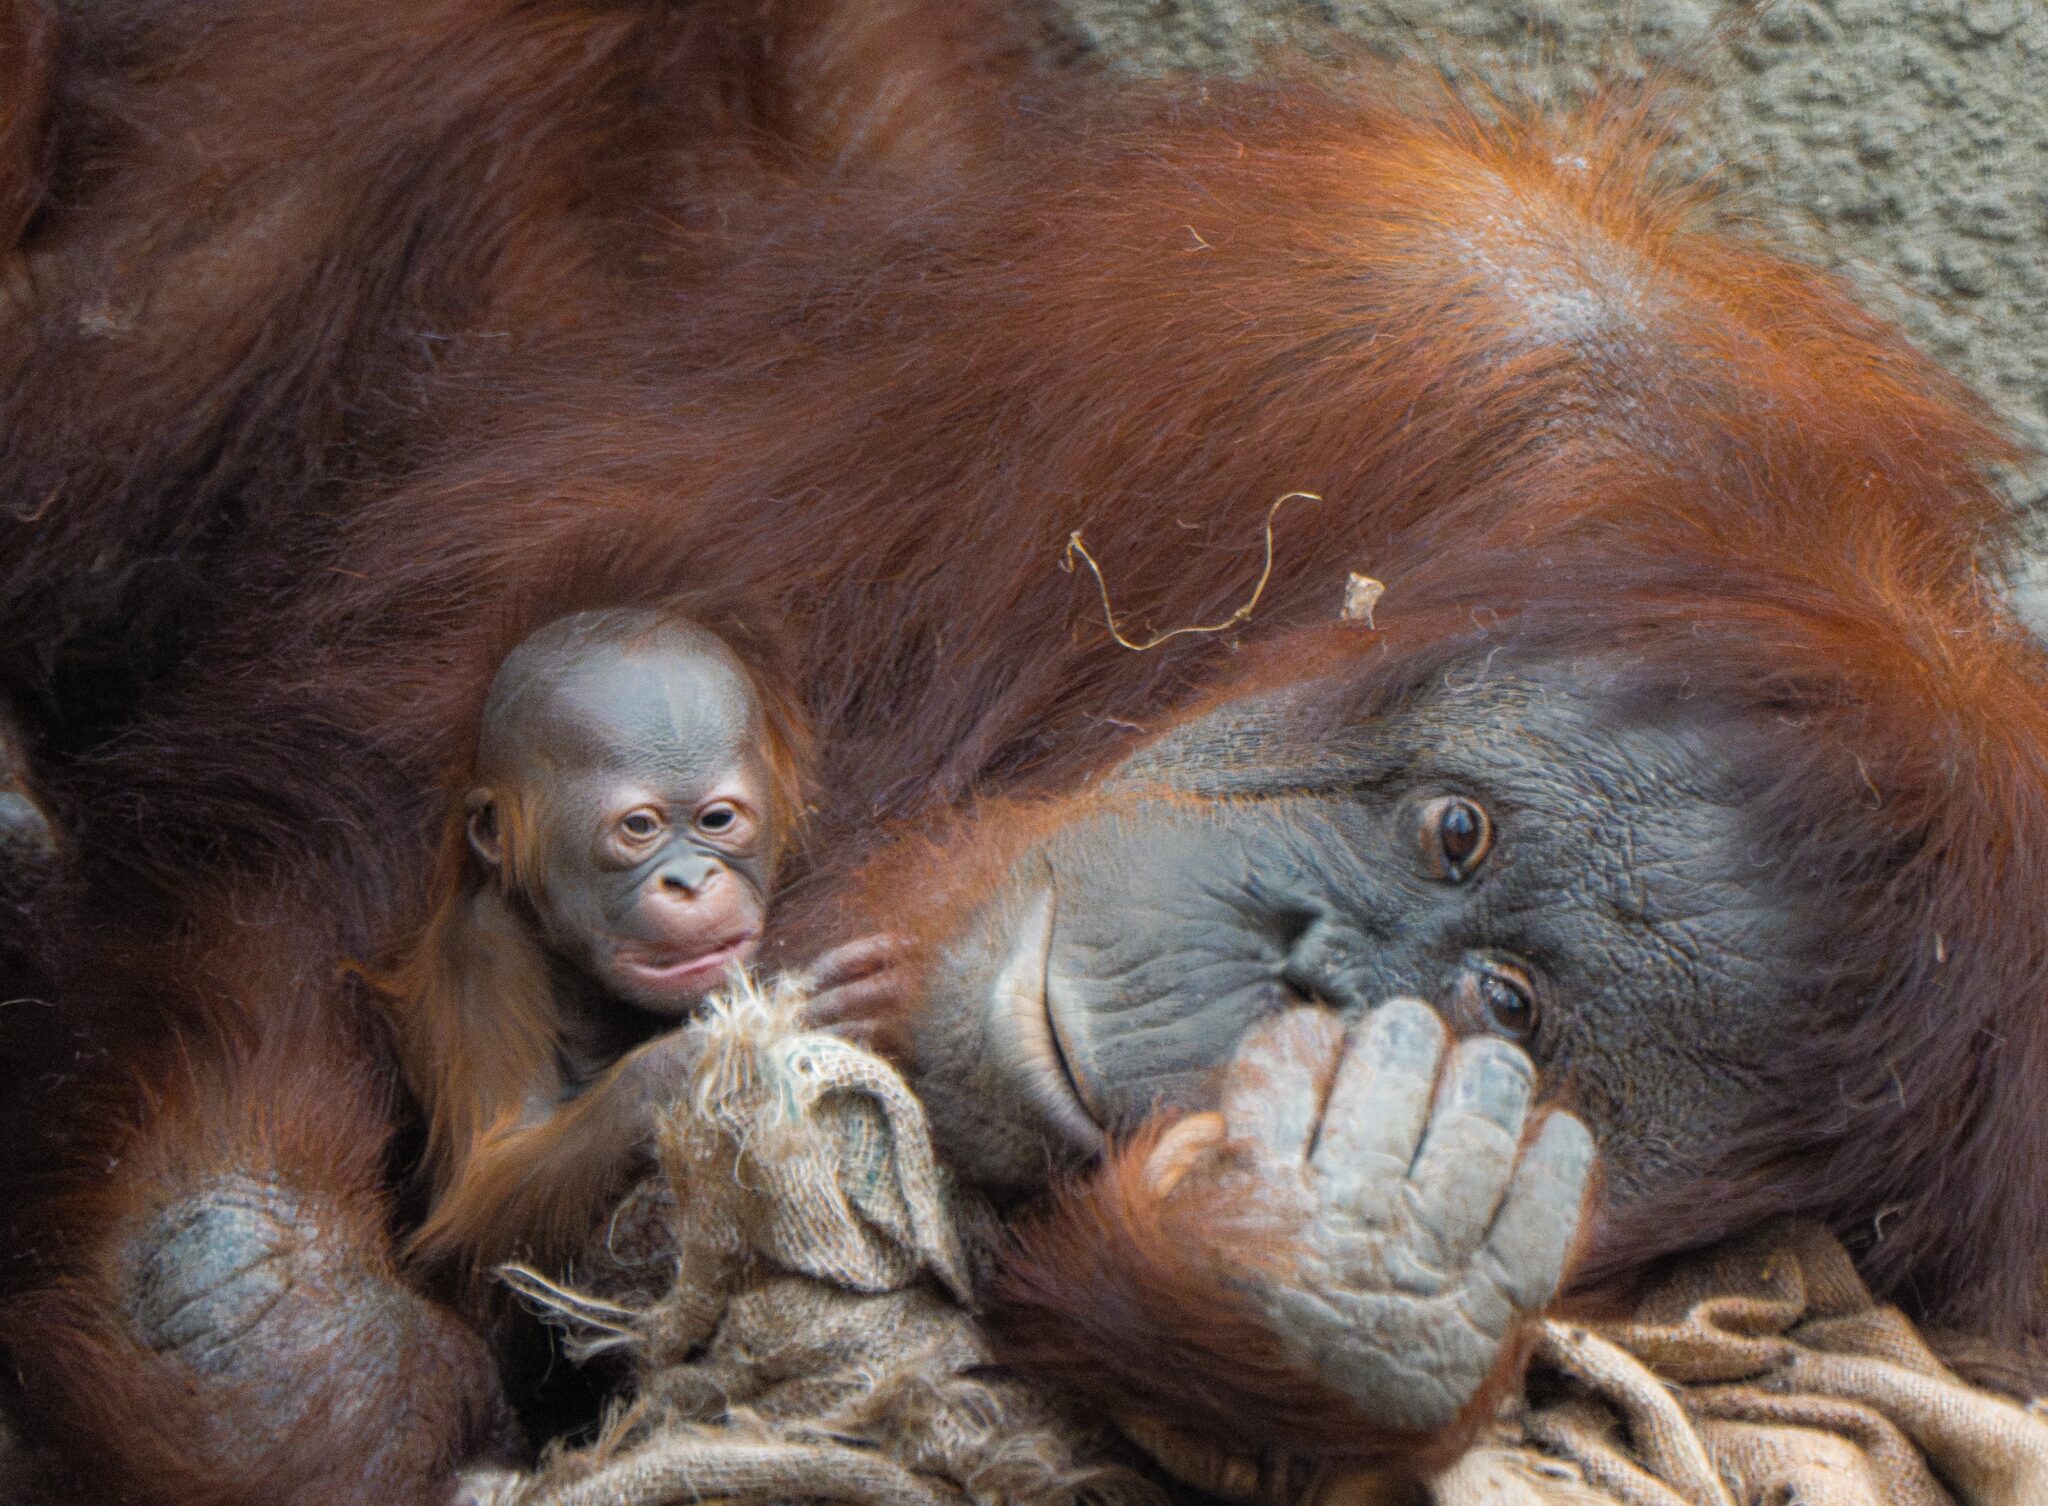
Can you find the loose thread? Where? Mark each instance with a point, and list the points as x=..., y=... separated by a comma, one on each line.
x=1242, y=614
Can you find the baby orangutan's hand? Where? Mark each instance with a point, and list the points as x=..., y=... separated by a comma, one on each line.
x=861, y=990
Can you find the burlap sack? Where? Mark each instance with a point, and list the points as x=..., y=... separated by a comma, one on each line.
x=816, y=1341
x=1759, y=1374
x=1764, y=1372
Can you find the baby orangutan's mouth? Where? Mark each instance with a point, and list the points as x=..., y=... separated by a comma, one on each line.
x=1024, y=995
x=677, y=969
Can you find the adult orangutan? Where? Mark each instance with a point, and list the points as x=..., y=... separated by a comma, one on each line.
x=1690, y=767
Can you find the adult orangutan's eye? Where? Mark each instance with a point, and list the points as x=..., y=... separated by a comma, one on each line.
x=640, y=825
x=1509, y=1002
x=1496, y=996
x=1456, y=837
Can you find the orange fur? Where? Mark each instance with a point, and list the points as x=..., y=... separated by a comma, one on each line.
x=264, y=1081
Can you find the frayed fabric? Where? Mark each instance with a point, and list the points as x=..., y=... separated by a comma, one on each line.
x=818, y=1338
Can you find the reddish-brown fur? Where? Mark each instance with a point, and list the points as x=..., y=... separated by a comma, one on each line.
x=255, y=243
x=868, y=381
x=301, y=1097
x=28, y=39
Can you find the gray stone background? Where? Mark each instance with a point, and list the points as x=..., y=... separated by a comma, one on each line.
x=1904, y=142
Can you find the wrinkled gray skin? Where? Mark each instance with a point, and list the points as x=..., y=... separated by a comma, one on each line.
x=1422, y=1233
x=1254, y=921
x=1135, y=949
x=240, y=1278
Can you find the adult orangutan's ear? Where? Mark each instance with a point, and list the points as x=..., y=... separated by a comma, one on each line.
x=485, y=839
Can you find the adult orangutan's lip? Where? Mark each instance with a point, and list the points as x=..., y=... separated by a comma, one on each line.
x=1022, y=992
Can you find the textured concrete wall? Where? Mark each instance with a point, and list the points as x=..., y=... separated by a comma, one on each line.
x=1904, y=141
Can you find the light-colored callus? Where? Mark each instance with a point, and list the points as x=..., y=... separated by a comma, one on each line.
x=1428, y=1223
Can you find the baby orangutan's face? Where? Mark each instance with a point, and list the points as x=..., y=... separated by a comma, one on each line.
x=642, y=784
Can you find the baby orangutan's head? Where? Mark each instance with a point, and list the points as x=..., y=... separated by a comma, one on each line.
x=630, y=789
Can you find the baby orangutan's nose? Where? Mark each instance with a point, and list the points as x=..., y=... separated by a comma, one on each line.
x=696, y=902
x=691, y=877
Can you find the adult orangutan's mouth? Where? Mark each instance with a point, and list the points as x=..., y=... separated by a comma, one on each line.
x=1023, y=993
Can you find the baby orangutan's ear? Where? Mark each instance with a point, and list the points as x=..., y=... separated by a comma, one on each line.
x=485, y=839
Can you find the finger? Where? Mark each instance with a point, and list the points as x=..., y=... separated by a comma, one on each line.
x=1533, y=1232
x=1180, y=1150
x=853, y=960
x=856, y=959
x=1468, y=1152
x=1273, y=1090
x=865, y=998
x=1379, y=1107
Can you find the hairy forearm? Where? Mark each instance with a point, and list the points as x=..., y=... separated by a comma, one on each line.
x=534, y=1191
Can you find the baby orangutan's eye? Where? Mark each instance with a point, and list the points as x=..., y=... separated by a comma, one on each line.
x=721, y=818
x=640, y=825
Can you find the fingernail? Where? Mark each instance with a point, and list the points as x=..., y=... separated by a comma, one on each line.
x=1576, y=1151
x=1494, y=1083
x=1409, y=1030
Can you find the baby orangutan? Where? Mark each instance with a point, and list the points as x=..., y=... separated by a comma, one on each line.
x=635, y=786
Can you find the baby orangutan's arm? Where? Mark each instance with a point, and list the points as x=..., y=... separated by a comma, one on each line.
x=535, y=1188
